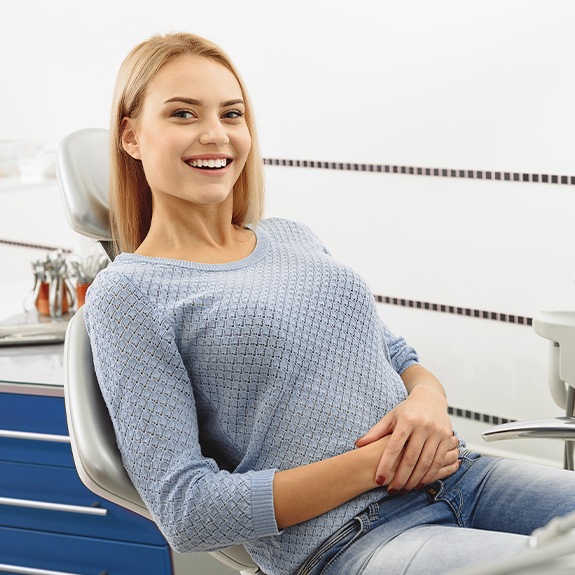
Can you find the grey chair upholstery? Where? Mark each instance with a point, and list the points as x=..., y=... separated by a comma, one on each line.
x=83, y=176
x=555, y=322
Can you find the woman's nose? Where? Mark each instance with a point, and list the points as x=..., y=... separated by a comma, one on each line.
x=214, y=133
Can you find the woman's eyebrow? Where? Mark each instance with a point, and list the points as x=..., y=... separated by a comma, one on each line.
x=232, y=102
x=194, y=102
x=189, y=101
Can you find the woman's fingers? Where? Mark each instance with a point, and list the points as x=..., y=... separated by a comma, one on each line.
x=449, y=466
x=379, y=430
x=423, y=461
x=447, y=470
x=393, y=454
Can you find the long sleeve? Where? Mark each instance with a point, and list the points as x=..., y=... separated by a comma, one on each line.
x=150, y=398
x=401, y=355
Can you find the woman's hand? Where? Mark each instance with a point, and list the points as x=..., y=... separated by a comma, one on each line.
x=421, y=447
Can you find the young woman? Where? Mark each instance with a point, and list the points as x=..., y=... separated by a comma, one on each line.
x=256, y=395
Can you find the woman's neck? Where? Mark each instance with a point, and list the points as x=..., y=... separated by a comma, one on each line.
x=198, y=237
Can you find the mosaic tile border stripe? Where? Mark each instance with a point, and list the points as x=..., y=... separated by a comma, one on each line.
x=476, y=416
x=452, y=309
x=495, y=175
x=34, y=246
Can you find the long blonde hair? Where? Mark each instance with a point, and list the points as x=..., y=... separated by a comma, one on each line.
x=130, y=195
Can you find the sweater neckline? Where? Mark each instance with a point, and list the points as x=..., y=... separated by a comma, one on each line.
x=260, y=250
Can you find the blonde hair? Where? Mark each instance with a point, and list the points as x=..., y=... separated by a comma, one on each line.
x=130, y=195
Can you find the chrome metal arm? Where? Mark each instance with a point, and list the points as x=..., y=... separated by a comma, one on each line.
x=550, y=428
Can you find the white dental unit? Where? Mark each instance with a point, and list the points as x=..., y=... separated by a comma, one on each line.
x=555, y=322
x=552, y=548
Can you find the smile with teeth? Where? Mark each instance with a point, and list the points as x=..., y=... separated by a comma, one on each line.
x=209, y=164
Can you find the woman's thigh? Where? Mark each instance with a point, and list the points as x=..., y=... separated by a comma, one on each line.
x=484, y=511
x=516, y=496
x=434, y=550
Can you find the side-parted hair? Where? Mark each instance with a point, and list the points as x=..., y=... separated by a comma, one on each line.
x=130, y=195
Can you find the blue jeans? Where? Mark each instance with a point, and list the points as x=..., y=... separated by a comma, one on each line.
x=485, y=510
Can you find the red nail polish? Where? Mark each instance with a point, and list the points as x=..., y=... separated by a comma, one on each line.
x=380, y=480
x=392, y=491
x=420, y=486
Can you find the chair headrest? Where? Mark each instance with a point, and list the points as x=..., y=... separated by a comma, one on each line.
x=83, y=170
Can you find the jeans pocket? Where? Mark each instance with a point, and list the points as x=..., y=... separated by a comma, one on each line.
x=331, y=547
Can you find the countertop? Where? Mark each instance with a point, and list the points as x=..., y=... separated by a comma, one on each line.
x=32, y=369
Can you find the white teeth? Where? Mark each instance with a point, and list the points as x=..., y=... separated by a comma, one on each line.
x=219, y=163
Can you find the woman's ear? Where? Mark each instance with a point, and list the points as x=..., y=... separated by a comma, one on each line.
x=129, y=138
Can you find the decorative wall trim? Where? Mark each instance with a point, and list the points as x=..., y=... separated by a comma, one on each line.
x=495, y=175
x=476, y=416
x=34, y=246
x=464, y=311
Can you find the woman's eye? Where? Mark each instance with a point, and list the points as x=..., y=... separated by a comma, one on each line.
x=183, y=114
x=233, y=114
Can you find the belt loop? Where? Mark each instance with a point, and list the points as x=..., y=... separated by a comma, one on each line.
x=373, y=512
x=367, y=517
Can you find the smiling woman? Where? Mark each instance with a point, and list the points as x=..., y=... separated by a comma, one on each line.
x=192, y=149
x=192, y=94
x=256, y=394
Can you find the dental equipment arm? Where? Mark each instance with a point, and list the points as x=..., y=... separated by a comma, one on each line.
x=556, y=322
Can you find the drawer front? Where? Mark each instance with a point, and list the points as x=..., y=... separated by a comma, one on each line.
x=32, y=552
x=54, y=499
x=33, y=429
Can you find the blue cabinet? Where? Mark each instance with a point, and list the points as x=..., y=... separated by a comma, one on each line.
x=50, y=522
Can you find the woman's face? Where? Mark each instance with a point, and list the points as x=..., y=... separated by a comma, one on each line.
x=191, y=135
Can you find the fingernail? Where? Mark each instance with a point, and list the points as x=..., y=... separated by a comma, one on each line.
x=380, y=480
x=392, y=491
x=420, y=486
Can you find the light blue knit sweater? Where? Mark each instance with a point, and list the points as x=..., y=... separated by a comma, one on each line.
x=216, y=375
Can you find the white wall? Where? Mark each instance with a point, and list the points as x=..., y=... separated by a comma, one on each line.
x=448, y=84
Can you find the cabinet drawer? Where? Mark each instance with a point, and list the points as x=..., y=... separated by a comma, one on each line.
x=30, y=550
x=33, y=429
x=54, y=499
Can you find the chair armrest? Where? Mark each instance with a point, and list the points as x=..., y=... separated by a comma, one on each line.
x=551, y=428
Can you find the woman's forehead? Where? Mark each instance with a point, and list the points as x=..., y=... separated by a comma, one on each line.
x=194, y=77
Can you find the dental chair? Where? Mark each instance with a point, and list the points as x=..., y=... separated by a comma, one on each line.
x=83, y=176
x=556, y=323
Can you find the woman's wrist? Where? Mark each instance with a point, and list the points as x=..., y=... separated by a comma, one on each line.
x=305, y=492
x=369, y=457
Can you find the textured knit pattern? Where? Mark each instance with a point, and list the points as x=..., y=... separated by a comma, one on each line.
x=218, y=375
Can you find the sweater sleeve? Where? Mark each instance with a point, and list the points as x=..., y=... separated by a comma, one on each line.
x=197, y=506
x=401, y=355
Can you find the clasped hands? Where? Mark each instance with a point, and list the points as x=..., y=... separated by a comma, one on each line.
x=415, y=442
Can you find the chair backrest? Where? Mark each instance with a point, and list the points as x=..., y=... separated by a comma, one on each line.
x=83, y=170
x=96, y=455
x=83, y=175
